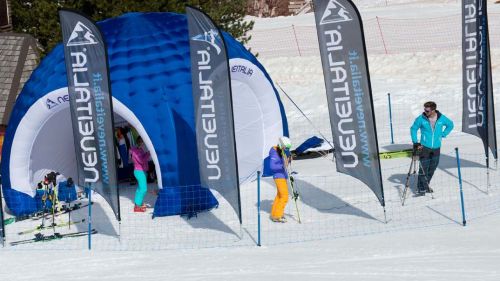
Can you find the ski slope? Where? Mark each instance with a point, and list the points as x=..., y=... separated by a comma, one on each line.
x=440, y=254
x=357, y=245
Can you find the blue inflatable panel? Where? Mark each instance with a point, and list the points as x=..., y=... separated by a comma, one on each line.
x=23, y=204
x=150, y=73
x=188, y=200
x=311, y=142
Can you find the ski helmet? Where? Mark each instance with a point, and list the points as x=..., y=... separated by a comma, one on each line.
x=285, y=143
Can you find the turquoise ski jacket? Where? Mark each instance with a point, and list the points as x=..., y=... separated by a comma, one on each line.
x=428, y=137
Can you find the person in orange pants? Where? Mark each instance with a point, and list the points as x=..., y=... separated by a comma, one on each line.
x=278, y=167
x=279, y=204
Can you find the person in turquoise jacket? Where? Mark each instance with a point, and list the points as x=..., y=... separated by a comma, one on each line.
x=433, y=126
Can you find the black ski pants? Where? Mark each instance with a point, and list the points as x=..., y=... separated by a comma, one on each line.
x=429, y=160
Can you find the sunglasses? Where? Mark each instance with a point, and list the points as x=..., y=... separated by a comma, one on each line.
x=427, y=110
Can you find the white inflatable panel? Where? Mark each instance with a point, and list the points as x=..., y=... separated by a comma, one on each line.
x=43, y=141
x=257, y=116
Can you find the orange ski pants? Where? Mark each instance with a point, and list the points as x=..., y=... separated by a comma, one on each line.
x=281, y=199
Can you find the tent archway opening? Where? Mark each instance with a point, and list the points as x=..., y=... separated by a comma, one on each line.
x=44, y=143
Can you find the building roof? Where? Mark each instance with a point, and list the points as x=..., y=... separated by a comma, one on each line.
x=18, y=58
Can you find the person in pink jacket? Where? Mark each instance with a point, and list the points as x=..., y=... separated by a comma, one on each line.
x=140, y=157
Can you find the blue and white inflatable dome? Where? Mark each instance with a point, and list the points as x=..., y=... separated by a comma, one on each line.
x=150, y=76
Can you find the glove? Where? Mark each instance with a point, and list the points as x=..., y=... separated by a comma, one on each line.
x=417, y=147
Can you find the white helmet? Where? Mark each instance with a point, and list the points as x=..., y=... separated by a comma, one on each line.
x=285, y=143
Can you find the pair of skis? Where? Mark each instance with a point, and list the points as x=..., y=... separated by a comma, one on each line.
x=42, y=227
x=40, y=215
x=39, y=237
x=396, y=154
x=291, y=183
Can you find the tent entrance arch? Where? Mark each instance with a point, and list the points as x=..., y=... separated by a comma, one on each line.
x=44, y=142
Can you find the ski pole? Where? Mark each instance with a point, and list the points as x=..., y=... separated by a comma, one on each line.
x=290, y=182
x=461, y=191
x=258, y=208
x=69, y=214
x=44, y=200
x=487, y=173
x=390, y=117
x=53, y=208
x=303, y=114
x=90, y=218
x=292, y=179
x=2, y=223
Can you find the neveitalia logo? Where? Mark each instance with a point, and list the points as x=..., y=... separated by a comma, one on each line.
x=50, y=104
x=209, y=37
x=81, y=35
x=334, y=13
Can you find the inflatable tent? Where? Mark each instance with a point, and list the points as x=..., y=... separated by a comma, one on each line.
x=151, y=84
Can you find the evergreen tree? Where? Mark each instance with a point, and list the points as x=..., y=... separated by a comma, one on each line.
x=40, y=18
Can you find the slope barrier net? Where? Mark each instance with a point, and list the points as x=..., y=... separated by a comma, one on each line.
x=382, y=36
x=330, y=205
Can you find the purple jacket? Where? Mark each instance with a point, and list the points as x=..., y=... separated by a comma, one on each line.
x=276, y=163
x=140, y=158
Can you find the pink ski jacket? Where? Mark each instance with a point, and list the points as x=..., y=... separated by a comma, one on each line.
x=140, y=158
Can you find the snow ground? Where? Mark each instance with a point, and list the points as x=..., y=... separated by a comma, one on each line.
x=436, y=247
x=450, y=252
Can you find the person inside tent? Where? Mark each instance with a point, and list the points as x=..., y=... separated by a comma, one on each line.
x=279, y=160
x=140, y=157
x=122, y=147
